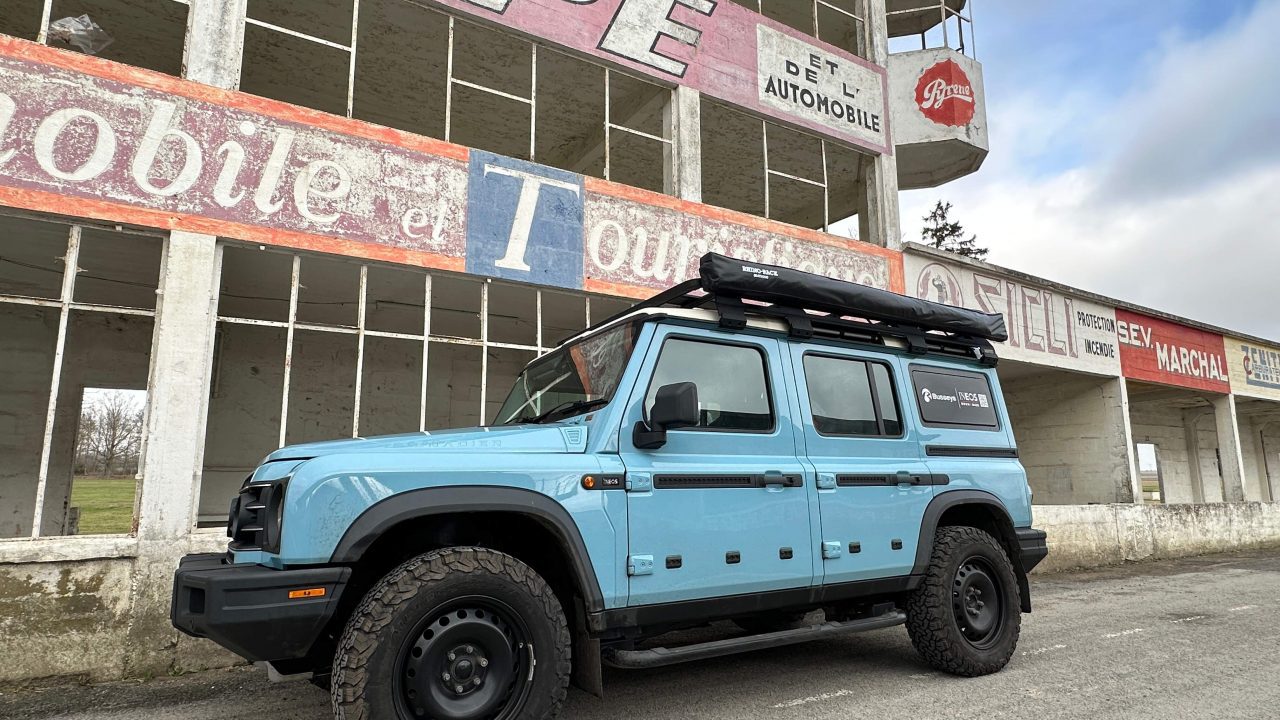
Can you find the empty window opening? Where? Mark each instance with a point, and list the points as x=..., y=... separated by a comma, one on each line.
x=108, y=453
x=143, y=33
x=842, y=23
x=65, y=332
x=1149, y=472
x=924, y=24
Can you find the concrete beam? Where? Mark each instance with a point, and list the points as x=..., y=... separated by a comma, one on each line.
x=1229, y=448
x=1128, y=489
x=214, y=50
x=1191, y=435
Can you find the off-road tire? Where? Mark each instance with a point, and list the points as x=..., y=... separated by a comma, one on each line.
x=369, y=654
x=931, y=609
x=770, y=622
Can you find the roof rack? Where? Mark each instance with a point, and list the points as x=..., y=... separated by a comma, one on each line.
x=814, y=306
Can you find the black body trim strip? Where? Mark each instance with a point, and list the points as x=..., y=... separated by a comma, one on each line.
x=718, y=608
x=704, y=482
x=882, y=480
x=970, y=451
x=428, y=502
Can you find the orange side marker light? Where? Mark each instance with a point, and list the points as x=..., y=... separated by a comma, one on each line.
x=308, y=593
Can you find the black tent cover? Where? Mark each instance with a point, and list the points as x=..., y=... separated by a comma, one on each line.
x=721, y=275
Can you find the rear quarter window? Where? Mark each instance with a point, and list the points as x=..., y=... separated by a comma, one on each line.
x=954, y=399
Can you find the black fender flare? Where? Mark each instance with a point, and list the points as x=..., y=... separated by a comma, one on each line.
x=955, y=498
x=436, y=501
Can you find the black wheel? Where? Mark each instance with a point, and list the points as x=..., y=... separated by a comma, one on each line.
x=456, y=634
x=770, y=622
x=965, y=617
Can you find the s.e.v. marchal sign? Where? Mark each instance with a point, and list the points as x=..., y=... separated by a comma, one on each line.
x=720, y=48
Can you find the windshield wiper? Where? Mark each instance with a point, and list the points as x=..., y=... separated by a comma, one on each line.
x=572, y=406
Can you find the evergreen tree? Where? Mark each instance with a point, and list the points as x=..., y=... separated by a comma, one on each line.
x=943, y=233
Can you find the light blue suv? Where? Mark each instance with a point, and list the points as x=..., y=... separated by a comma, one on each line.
x=754, y=445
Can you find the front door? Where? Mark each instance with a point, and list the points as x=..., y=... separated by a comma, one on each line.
x=722, y=508
x=873, y=485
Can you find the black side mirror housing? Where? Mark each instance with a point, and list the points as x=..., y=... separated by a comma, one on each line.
x=674, y=406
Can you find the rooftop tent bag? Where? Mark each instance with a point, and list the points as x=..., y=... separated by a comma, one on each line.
x=721, y=275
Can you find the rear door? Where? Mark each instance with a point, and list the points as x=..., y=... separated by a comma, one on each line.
x=723, y=508
x=872, y=483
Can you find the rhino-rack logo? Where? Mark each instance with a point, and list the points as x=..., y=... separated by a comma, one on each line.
x=762, y=273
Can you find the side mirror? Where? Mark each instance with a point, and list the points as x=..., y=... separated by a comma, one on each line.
x=674, y=406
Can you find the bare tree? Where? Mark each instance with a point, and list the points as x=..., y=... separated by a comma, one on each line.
x=110, y=434
x=943, y=233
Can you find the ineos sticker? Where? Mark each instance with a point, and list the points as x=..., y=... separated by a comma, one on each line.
x=954, y=398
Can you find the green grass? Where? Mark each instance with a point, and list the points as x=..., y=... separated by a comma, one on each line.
x=106, y=504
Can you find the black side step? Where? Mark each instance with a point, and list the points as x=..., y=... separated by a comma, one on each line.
x=658, y=657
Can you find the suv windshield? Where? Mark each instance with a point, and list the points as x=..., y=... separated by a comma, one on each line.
x=572, y=380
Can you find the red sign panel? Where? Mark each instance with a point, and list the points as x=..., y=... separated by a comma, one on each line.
x=945, y=95
x=1165, y=352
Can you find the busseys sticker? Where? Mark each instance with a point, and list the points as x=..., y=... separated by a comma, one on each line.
x=945, y=95
x=954, y=398
x=1165, y=352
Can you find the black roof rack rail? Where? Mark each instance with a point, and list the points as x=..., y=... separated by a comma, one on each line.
x=814, y=306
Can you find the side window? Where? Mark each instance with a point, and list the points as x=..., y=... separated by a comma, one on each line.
x=955, y=399
x=733, y=393
x=851, y=397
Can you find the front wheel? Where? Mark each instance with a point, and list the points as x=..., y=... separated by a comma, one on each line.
x=965, y=617
x=456, y=634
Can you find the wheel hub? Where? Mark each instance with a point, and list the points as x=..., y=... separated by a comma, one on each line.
x=461, y=665
x=976, y=602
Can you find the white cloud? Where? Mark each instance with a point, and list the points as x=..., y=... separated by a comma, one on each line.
x=1176, y=206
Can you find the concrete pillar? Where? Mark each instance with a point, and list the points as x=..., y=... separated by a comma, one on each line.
x=685, y=177
x=1229, y=448
x=879, y=222
x=214, y=49
x=181, y=364
x=1115, y=395
x=1191, y=434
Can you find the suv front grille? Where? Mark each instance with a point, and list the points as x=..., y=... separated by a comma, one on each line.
x=254, y=517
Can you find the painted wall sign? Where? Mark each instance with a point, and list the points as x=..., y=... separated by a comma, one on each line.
x=1157, y=350
x=524, y=222
x=720, y=48
x=1254, y=369
x=944, y=94
x=1046, y=326
x=939, y=107
x=85, y=137
x=66, y=135
x=644, y=241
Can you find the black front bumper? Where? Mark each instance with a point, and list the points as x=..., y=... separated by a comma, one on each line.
x=247, y=609
x=1032, y=547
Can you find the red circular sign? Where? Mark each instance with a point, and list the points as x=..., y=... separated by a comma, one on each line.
x=945, y=95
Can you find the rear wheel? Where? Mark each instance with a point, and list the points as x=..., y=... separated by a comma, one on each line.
x=456, y=634
x=965, y=617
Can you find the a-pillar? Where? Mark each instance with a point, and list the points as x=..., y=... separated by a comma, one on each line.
x=178, y=388
x=1229, y=448
x=878, y=221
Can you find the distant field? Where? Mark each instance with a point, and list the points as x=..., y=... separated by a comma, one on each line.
x=106, y=504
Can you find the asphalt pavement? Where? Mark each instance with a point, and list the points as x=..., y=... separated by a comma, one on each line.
x=1194, y=638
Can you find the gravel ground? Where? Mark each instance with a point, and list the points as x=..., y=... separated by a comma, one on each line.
x=1193, y=638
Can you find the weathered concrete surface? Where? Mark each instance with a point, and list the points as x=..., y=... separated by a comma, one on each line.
x=1090, y=536
x=1180, y=639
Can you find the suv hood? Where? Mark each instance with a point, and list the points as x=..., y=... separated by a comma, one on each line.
x=557, y=438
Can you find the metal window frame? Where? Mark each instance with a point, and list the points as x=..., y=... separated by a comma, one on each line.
x=361, y=331
x=770, y=173
x=46, y=16
x=945, y=14
x=66, y=303
x=859, y=17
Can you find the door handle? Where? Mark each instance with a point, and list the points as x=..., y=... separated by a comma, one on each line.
x=775, y=480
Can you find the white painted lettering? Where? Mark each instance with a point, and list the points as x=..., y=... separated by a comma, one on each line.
x=526, y=207
x=304, y=188
x=104, y=145
x=638, y=24
x=262, y=197
x=7, y=110
x=158, y=130
x=595, y=245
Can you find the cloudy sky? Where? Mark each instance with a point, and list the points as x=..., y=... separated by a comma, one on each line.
x=1135, y=152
